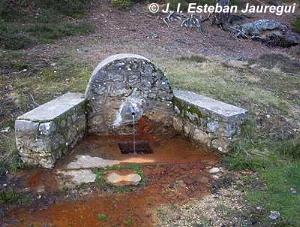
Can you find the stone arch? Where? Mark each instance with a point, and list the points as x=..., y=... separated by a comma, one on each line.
x=124, y=85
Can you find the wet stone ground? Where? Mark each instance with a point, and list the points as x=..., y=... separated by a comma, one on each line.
x=76, y=191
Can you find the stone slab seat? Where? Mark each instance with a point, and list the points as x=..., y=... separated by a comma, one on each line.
x=206, y=120
x=45, y=133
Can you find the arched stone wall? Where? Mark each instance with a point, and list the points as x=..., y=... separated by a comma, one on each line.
x=124, y=85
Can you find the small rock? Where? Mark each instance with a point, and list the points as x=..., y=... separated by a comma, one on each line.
x=293, y=190
x=274, y=215
x=216, y=177
x=5, y=130
x=214, y=170
x=40, y=189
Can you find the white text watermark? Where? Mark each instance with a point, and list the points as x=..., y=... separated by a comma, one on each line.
x=194, y=8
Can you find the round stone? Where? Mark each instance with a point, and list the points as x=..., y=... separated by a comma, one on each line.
x=120, y=178
x=214, y=170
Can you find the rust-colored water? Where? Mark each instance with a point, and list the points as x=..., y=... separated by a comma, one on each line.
x=176, y=172
x=166, y=184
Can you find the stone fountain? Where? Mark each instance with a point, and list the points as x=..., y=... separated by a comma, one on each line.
x=123, y=87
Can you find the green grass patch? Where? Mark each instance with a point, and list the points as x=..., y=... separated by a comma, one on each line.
x=102, y=217
x=261, y=92
x=45, y=21
x=27, y=9
x=296, y=25
x=278, y=167
x=128, y=222
x=241, y=87
x=52, y=81
x=280, y=181
x=15, y=36
x=9, y=158
x=121, y=4
x=12, y=197
x=192, y=58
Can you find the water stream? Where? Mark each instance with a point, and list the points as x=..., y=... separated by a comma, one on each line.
x=133, y=131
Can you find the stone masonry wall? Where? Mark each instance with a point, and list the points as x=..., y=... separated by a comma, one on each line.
x=124, y=85
x=44, y=134
x=207, y=121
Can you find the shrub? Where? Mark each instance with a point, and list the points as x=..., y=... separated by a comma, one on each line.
x=9, y=158
x=51, y=31
x=25, y=23
x=72, y=8
x=121, y=4
x=296, y=25
x=12, y=197
x=290, y=148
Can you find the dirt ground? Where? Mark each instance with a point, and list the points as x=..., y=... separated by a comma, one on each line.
x=174, y=190
x=176, y=172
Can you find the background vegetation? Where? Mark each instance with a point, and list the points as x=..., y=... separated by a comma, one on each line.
x=25, y=23
x=270, y=149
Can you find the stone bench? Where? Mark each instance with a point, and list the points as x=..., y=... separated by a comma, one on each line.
x=207, y=121
x=45, y=133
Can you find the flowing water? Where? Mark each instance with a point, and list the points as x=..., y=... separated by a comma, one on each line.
x=133, y=132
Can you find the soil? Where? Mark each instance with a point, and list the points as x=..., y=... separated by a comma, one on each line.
x=176, y=172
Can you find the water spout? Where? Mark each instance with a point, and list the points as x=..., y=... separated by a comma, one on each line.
x=133, y=131
x=130, y=109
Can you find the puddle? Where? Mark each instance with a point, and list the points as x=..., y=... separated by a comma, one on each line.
x=176, y=149
x=175, y=172
x=137, y=147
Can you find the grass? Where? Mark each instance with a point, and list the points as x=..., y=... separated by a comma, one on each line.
x=277, y=196
x=12, y=197
x=52, y=81
x=262, y=92
x=242, y=87
x=44, y=22
x=102, y=217
x=15, y=36
x=9, y=160
x=121, y=4
x=278, y=166
x=40, y=82
x=128, y=222
x=296, y=25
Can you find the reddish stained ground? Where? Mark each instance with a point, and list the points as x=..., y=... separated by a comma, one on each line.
x=175, y=172
x=166, y=184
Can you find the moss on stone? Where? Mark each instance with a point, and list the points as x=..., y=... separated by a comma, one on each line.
x=184, y=108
